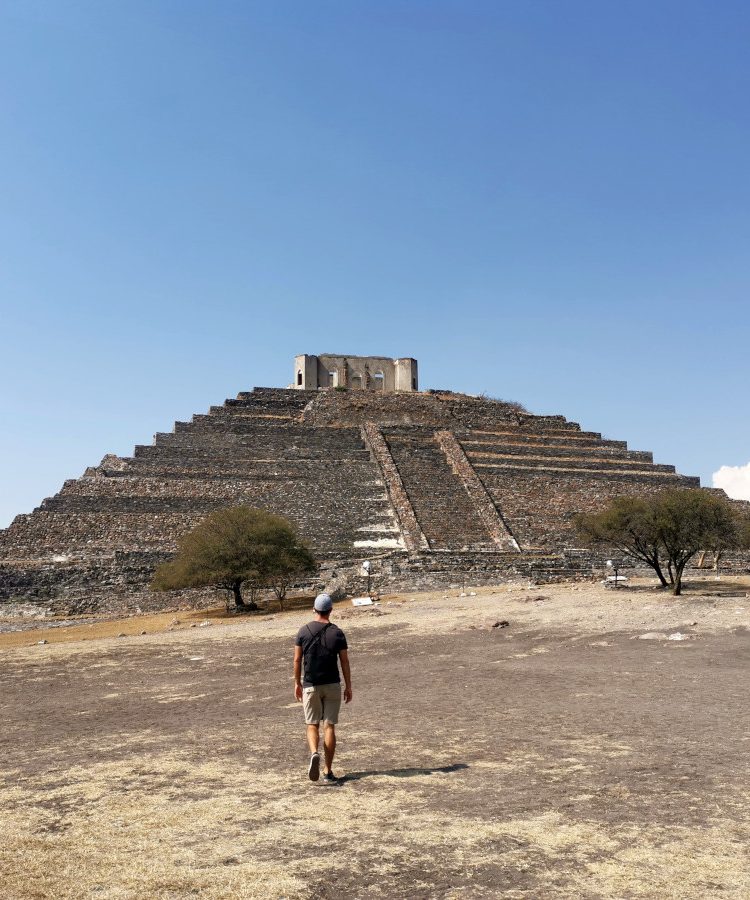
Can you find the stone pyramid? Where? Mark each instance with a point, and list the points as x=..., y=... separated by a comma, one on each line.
x=434, y=487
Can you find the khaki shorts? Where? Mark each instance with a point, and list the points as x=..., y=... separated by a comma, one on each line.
x=321, y=702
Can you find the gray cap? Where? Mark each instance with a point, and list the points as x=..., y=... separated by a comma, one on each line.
x=323, y=603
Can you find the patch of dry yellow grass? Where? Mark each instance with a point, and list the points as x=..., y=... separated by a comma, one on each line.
x=162, y=827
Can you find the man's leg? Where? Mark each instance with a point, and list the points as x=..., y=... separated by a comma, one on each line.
x=329, y=744
x=312, y=706
x=313, y=770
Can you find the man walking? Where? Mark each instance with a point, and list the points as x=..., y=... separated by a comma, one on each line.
x=321, y=644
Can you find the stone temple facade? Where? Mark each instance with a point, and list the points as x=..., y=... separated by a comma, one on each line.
x=357, y=373
x=435, y=488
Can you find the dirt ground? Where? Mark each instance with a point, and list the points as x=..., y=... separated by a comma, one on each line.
x=581, y=751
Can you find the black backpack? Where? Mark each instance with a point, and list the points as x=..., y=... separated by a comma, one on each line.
x=317, y=655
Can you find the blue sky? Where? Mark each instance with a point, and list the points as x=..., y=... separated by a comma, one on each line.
x=545, y=201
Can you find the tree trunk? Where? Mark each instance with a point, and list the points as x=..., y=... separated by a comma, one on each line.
x=671, y=573
x=237, y=592
x=701, y=559
x=678, y=569
x=279, y=589
x=238, y=599
x=654, y=563
x=253, y=589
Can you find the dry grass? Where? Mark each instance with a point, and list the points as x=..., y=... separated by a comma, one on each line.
x=159, y=828
x=162, y=827
x=164, y=806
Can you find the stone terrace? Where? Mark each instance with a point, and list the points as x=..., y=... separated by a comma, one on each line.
x=540, y=478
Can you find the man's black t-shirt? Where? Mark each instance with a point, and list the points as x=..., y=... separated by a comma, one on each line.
x=321, y=644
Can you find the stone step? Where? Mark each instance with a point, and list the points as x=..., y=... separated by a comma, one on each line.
x=231, y=424
x=142, y=476
x=116, y=505
x=264, y=437
x=269, y=398
x=254, y=402
x=419, y=436
x=265, y=448
x=292, y=395
x=251, y=468
x=562, y=436
x=615, y=468
x=575, y=448
x=239, y=428
x=217, y=472
x=561, y=457
x=232, y=452
x=237, y=422
x=248, y=414
x=226, y=491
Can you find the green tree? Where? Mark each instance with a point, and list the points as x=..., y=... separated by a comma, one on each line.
x=665, y=529
x=234, y=548
x=691, y=520
x=628, y=524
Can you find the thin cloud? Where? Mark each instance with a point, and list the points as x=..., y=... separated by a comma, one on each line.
x=735, y=480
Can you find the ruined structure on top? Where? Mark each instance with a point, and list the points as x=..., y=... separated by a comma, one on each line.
x=368, y=373
x=433, y=487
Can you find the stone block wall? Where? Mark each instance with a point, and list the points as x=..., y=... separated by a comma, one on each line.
x=462, y=570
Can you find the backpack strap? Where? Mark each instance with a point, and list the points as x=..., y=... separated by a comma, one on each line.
x=317, y=637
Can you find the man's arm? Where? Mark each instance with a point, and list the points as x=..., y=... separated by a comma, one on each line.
x=298, y=672
x=347, y=673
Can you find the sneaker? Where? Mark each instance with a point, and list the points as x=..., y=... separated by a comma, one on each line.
x=330, y=778
x=313, y=770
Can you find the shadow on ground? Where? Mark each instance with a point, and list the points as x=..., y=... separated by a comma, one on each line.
x=405, y=773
